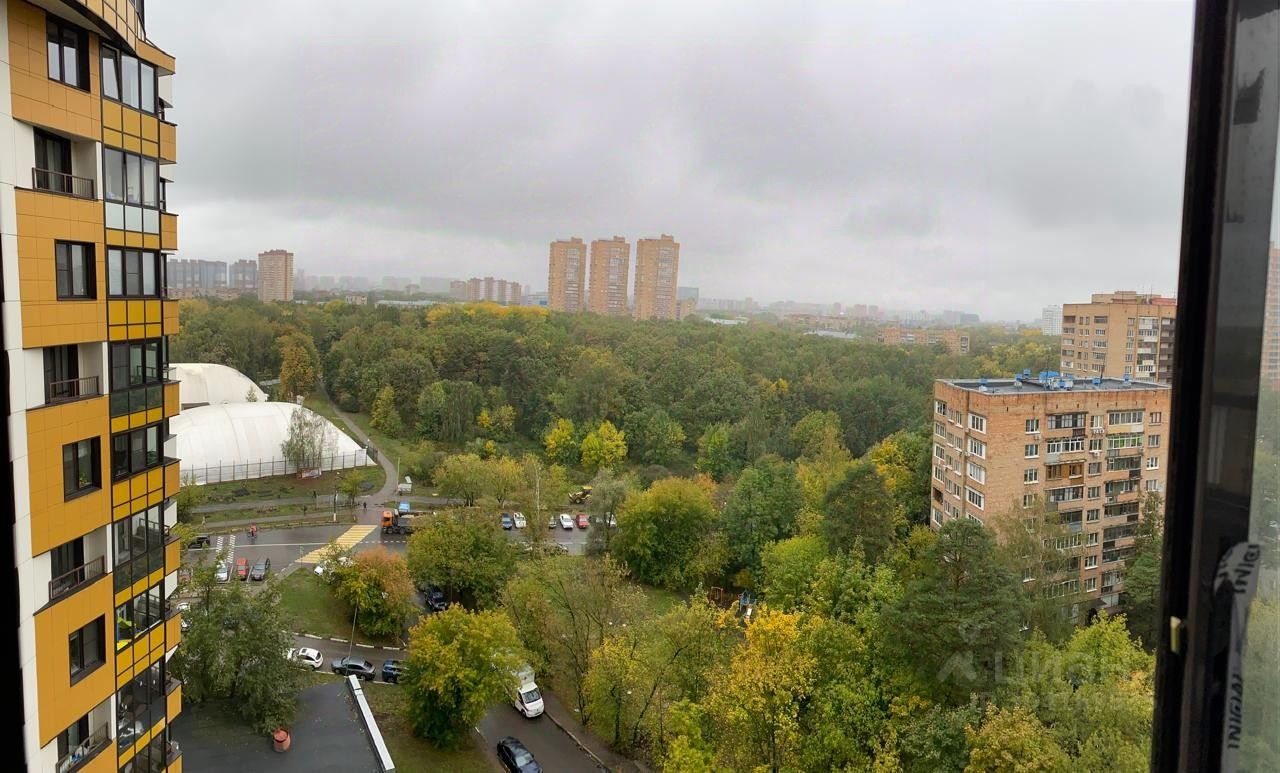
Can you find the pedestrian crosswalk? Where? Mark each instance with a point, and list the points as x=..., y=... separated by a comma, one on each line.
x=349, y=538
x=229, y=542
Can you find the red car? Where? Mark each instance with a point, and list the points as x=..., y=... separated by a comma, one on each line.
x=583, y=521
x=242, y=568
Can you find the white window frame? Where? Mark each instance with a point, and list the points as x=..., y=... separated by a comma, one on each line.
x=1031, y=475
x=978, y=423
x=1035, y=451
x=977, y=472
x=1153, y=462
x=1153, y=441
x=977, y=448
x=1033, y=426
x=1090, y=562
x=980, y=500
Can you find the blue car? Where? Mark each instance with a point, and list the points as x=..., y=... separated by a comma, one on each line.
x=507, y=522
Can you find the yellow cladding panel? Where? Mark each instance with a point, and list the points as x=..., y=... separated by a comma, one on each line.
x=169, y=231
x=132, y=239
x=168, y=142
x=112, y=119
x=35, y=98
x=132, y=144
x=56, y=519
x=172, y=632
x=174, y=703
x=171, y=400
x=151, y=241
x=117, y=312
x=42, y=219
x=61, y=702
x=114, y=236
x=149, y=53
x=119, y=15
x=132, y=123
x=105, y=762
x=137, y=312
x=175, y=766
x=150, y=128
x=152, y=311
x=172, y=556
x=172, y=479
x=171, y=318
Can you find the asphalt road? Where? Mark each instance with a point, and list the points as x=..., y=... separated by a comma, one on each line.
x=282, y=546
x=555, y=750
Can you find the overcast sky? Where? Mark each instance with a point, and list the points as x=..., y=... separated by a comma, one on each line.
x=986, y=157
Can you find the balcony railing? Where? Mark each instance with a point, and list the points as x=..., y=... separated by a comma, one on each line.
x=61, y=182
x=71, y=389
x=69, y=581
x=85, y=751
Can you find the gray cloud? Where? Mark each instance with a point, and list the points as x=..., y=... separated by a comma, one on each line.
x=991, y=157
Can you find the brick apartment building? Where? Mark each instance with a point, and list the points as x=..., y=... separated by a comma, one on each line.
x=1088, y=448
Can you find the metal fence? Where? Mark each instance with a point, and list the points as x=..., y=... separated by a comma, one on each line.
x=265, y=468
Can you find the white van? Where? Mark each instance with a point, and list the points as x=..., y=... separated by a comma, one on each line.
x=527, y=698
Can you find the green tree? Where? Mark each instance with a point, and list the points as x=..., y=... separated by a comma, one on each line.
x=447, y=410
x=349, y=484
x=385, y=417
x=608, y=492
x=904, y=462
x=654, y=437
x=309, y=439
x=234, y=649
x=788, y=570
x=763, y=508
x=713, y=452
x=465, y=554
x=810, y=434
x=561, y=443
x=858, y=508
x=563, y=607
x=603, y=448
x=298, y=369
x=190, y=496
x=1014, y=741
x=754, y=701
x=663, y=534
x=463, y=476
x=641, y=668
x=504, y=477
x=963, y=616
x=460, y=663
x=376, y=584
x=593, y=388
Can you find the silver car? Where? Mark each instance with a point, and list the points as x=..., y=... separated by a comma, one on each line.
x=223, y=574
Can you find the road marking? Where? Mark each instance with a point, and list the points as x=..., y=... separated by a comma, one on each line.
x=349, y=539
x=366, y=646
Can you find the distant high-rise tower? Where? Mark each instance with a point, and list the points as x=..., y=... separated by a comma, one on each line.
x=244, y=277
x=657, y=267
x=275, y=275
x=610, y=270
x=1051, y=320
x=567, y=275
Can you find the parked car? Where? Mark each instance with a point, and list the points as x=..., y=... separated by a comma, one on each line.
x=223, y=573
x=391, y=670
x=307, y=658
x=353, y=666
x=527, y=698
x=507, y=523
x=583, y=521
x=259, y=571
x=553, y=522
x=199, y=542
x=183, y=608
x=566, y=521
x=242, y=568
x=519, y=520
x=515, y=757
x=436, y=600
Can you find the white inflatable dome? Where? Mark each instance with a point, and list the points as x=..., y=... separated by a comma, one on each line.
x=238, y=441
x=204, y=383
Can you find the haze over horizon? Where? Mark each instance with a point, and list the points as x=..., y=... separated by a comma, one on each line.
x=993, y=158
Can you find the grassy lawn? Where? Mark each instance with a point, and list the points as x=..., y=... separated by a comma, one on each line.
x=323, y=509
x=310, y=607
x=285, y=487
x=321, y=405
x=659, y=600
x=412, y=754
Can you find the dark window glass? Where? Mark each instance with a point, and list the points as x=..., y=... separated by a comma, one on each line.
x=73, y=736
x=66, y=557
x=61, y=369
x=137, y=450
x=150, y=183
x=87, y=647
x=147, y=76
x=132, y=178
x=68, y=58
x=113, y=172
x=110, y=73
x=129, y=80
x=74, y=270
x=80, y=467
